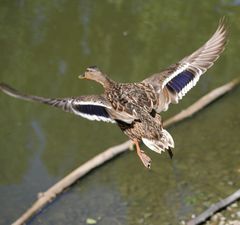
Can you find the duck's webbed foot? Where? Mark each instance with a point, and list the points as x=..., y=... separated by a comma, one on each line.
x=146, y=160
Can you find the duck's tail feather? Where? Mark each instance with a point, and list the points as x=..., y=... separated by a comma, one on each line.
x=165, y=143
x=170, y=153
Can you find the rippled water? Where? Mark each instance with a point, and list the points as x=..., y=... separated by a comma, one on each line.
x=46, y=45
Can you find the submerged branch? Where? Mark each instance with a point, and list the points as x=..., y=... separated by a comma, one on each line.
x=110, y=153
x=203, y=102
x=215, y=208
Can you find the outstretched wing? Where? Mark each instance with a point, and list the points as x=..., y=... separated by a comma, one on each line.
x=179, y=78
x=92, y=107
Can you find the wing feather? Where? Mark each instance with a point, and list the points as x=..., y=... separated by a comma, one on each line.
x=92, y=107
x=179, y=78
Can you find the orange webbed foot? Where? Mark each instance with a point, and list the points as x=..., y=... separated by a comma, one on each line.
x=146, y=160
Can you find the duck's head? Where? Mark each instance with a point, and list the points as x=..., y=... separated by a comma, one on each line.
x=94, y=73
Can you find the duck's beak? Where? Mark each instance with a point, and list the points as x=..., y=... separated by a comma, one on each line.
x=81, y=76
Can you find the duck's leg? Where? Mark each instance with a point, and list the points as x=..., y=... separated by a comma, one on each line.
x=144, y=158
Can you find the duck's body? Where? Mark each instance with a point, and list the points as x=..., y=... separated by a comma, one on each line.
x=135, y=107
x=151, y=133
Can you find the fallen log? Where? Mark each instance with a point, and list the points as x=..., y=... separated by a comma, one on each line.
x=215, y=208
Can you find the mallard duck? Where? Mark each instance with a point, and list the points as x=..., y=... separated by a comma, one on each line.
x=135, y=107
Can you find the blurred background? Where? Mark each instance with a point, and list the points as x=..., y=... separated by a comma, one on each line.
x=45, y=45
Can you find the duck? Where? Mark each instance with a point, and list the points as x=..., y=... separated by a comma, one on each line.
x=136, y=107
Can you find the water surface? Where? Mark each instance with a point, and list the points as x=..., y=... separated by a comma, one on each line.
x=46, y=44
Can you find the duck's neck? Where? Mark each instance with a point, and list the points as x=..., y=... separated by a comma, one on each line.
x=106, y=82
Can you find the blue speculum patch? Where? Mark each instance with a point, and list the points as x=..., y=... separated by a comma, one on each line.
x=180, y=81
x=92, y=110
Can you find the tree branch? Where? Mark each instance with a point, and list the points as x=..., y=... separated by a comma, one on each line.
x=215, y=208
x=110, y=153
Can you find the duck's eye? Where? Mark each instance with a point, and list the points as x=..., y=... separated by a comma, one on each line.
x=93, y=67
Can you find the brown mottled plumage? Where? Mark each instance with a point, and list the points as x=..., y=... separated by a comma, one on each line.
x=135, y=107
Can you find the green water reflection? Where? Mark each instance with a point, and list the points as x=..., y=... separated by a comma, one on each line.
x=46, y=44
